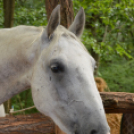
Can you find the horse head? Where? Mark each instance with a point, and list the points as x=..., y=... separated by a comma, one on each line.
x=63, y=85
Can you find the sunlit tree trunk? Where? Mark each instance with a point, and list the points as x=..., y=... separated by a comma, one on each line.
x=67, y=14
x=8, y=7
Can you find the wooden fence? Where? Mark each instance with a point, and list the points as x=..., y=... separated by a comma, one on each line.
x=39, y=124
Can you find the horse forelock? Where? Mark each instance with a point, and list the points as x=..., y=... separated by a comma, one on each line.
x=62, y=32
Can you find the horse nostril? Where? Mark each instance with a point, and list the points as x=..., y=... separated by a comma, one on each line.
x=93, y=132
x=76, y=132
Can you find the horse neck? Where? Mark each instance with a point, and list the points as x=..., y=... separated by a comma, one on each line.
x=19, y=78
x=15, y=86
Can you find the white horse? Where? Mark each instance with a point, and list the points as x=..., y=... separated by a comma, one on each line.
x=54, y=63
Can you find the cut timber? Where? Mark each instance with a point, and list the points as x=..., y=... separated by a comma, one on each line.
x=58, y=130
x=26, y=124
x=118, y=102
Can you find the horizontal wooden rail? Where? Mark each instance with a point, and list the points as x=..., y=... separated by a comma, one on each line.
x=27, y=124
x=114, y=102
x=118, y=102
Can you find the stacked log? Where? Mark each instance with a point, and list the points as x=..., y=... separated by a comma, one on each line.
x=26, y=124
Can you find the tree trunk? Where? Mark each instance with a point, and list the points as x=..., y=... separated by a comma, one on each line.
x=8, y=6
x=67, y=14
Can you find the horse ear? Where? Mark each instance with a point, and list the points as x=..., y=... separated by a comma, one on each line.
x=77, y=26
x=53, y=22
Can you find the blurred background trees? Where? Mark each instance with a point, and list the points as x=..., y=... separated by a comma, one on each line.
x=108, y=36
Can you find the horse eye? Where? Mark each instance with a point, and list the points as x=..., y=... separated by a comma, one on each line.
x=55, y=68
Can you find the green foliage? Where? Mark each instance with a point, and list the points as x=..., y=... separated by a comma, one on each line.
x=28, y=14
x=23, y=100
x=119, y=77
x=110, y=33
x=1, y=14
x=110, y=25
